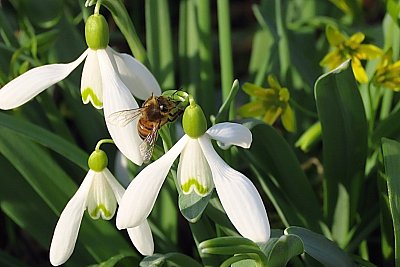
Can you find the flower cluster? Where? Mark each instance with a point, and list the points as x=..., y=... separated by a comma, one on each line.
x=200, y=170
x=269, y=103
x=349, y=48
x=99, y=193
x=387, y=73
x=108, y=81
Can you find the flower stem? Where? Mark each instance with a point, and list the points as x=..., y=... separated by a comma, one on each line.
x=125, y=24
x=103, y=141
x=225, y=48
x=372, y=106
x=97, y=7
x=206, y=91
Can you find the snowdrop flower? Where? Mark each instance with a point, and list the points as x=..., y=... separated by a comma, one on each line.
x=200, y=170
x=99, y=193
x=105, y=77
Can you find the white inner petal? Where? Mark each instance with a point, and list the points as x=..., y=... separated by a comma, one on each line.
x=193, y=170
x=101, y=200
x=91, y=87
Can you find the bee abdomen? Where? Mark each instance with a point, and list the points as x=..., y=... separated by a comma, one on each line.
x=144, y=128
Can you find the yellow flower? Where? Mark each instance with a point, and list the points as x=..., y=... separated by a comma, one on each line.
x=269, y=103
x=349, y=48
x=387, y=73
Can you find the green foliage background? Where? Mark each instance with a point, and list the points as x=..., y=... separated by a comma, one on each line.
x=336, y=184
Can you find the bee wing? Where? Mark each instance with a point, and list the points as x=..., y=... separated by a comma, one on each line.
x=123, y=117
x=147, y=146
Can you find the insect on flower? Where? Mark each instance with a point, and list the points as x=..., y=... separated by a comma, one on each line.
x=155, y=112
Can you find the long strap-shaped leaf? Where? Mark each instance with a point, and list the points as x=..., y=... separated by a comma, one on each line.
x=344, y=137
x=391, y=160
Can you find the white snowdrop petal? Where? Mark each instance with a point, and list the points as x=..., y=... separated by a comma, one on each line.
x=193, y=170
x=28, y=85
x=139, y=80
x=141, y=194
x=228, y=133
x=91, y=87
x=114, y=184
x=142, y=238
x=101, y=200
x=67, y=228
x=116, y=97
x=238, y=196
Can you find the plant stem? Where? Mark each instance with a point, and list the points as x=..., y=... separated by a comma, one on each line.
x=103, y=141
x=225, y=48
x=206, y=90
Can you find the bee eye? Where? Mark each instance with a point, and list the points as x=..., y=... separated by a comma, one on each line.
x=162, y=107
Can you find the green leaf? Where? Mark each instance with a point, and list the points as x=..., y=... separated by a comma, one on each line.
x=223, y=112
x=321, y=248
x=7, y=260
x=310, y=137
x=118, y=260
x=45, y=138
x=284, y=248
x=21, y=204
x=393, y=8
x=173, y=258
x=55, y=188
x=158, y=31
x=344, y=136
x=271, y=154
x=391, y=159
x=387, y=127
x=233, y=246
x=193, y=205
x=189, y=38
x=125, y=24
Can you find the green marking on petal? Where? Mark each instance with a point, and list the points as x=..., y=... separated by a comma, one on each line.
x=88, y=95
x=95, y=214
x=194, y=183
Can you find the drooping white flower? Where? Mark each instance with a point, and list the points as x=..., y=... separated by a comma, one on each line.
x=108, y=81
x=99, y=193
x=200, y=170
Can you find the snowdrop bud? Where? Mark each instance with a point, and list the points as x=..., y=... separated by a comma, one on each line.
x=96, y=32
x=98, y=160
x=194, y=122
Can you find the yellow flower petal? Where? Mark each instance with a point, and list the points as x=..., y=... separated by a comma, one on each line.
x=332, y=60
x=273, y=82
x=252, y=109
x=356, y=38
x=334, y=36
x=358, y=70
x=288, y=119
x=368, y=51
x=272, y=114
x=255, y=90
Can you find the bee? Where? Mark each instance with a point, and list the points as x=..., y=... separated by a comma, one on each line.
x=155, y=112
